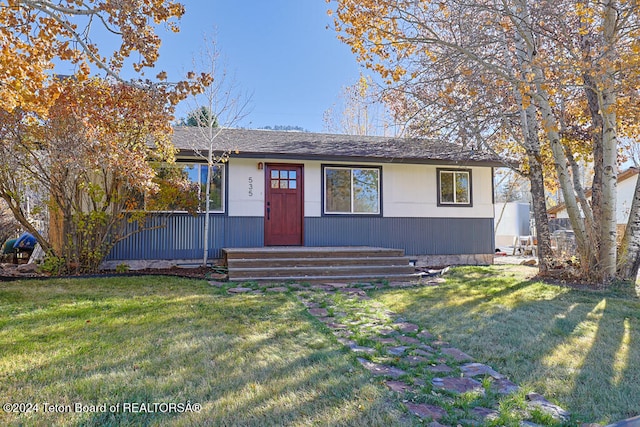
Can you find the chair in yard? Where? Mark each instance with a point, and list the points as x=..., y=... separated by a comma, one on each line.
x=524, y=245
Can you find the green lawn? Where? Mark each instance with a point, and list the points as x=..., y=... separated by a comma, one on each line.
x=580, y=349
x=257, y=360
x=247, y=360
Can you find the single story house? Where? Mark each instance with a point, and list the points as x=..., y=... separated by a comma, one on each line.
x=433, y=200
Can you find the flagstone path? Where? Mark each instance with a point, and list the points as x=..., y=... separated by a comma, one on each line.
x=435, y=381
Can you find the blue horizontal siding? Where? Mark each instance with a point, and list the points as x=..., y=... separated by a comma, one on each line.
x=179, y=236
x=417, y=236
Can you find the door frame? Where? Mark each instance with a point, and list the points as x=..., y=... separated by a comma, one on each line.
x=299, y=190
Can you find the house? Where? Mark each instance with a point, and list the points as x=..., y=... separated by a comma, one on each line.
x=433, y=200
x=626, y=187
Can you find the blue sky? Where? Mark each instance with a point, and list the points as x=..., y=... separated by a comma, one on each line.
x=281, y=51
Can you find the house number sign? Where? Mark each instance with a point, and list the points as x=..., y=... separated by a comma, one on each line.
x=250, y=186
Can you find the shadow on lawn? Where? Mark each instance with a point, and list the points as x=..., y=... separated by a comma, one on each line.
x=247, y=360
x=612, y=365
x=577, y=348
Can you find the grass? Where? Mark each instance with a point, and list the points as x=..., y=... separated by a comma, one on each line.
x=246, y=359
x=364, y=317
x=580, y=349
x=262, y=360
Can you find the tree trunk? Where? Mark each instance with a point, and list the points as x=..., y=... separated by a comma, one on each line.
x=607, y=100
x=564, y=177
x=543, y=233
x=536, y=179
x=18, y=214
x=529, y=120
x=205, y=243
x=525, y=52
x=207, y=219
x=596, y=139
x=608, y=222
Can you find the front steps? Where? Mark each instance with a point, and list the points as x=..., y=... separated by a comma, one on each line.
x=312, y=264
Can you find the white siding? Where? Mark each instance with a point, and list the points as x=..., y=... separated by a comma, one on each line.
x=626, y=188
x=312, y=189
x=246, y=188
x=411, y=191
x=407, y=190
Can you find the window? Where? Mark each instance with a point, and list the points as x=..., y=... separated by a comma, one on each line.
x=197, y=174
x=183, y=188
x=350, y=190
x=454, y=187
x=284, y=179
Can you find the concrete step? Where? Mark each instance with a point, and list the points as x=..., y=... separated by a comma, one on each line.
x=309, y=252
x=297, y=263
x=335, y=278
x=316, y=261
x=236, y=273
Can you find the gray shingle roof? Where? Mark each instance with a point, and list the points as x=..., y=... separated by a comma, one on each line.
x=330, y=147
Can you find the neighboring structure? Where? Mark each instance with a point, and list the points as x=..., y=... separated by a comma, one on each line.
x=433, y=200
x=512, y=220
x=626, y=189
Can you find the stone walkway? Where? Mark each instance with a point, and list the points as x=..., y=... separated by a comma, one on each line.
x=435, y=381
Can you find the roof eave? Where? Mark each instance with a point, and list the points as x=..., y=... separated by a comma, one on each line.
x=361, y=159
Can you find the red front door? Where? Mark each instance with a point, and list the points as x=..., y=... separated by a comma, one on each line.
x=283, y=215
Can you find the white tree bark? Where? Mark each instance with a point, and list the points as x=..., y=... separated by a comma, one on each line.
x=607, y=100
x=525, y=52
x=562, y=171
x=223, y=106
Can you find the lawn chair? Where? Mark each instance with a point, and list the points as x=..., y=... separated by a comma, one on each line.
x=524, y=245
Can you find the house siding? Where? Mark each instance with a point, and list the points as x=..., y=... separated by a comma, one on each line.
x=407, y=190
x=180, y=235
x=412, y=219
x=417, y=236
x=626, y=188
